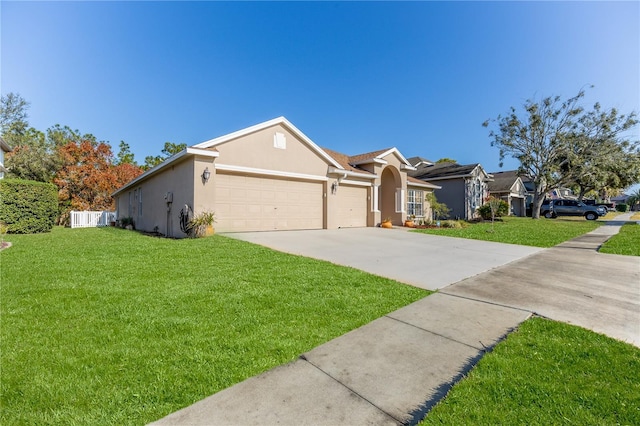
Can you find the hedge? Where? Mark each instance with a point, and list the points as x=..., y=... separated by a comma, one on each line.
x=622, y=207
x=28, y=207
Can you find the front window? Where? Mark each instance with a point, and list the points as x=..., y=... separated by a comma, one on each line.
x=415, y=203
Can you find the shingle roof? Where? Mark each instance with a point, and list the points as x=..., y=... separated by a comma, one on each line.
x=348, y=162
x=345, y=161
x=442, y=170
x=502, y=181
x=422, y=182
x=366, y=156
x=417, y=160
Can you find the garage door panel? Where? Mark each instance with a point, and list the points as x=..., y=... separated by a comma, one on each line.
x=245, y=203
x=352, y=207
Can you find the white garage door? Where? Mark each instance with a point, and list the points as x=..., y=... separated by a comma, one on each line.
x=352, y=207
x=246, y=203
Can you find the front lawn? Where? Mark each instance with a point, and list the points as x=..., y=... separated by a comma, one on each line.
x=548, y=373
x=106, y=326
x=521, y=230
x=627, y=241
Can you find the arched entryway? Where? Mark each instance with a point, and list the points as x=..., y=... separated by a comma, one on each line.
x=389, y=186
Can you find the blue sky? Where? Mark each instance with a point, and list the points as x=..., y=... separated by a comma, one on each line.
x=353, y=76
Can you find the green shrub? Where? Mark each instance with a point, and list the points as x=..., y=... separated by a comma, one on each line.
x=453, y=224
x=201, y=221
x=126, y=221
x=501, y=207
x=28, y=207
x=622, y=207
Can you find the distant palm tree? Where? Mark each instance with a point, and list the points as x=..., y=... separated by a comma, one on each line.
x=634, y=199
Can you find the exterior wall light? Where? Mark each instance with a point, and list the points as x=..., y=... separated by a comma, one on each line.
x=206, y=175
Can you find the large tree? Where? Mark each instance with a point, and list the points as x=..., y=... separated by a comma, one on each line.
x=13, y=117
x=88, y=176
x=32, y=158
x=608, y=168
x=169, y=149
x=551, y=136
x=125, y=156
x=37, y=156
x=598, y=158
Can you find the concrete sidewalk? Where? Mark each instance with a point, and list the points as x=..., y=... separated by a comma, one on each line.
x=394, y=369
x=571, y=282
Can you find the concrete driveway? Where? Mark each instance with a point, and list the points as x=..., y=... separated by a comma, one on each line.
x=426, y=261
x=394, y=369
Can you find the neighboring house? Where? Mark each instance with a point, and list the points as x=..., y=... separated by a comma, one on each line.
x=509, y=187
x=272, y=177
x=622, y=198
x=4, y=147
x=463, y=187
x=420, y=162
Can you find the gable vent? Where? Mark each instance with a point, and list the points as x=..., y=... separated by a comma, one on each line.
x=279, y=141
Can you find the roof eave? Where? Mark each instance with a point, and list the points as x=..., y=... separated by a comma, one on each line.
x=369, y=161
x=444, y=177
x=5, y=146
x=424, y=185
x=190, y=151
x=344, y=172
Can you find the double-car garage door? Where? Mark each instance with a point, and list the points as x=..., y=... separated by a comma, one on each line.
x=248, y=203
x=251, y=203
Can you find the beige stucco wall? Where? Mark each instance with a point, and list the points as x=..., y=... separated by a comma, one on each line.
x=204, y=193
x=387, y=189
x=176, y=179
x=257, y=150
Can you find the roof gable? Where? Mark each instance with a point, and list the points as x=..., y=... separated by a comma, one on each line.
x=418, y=161
x=378, y=157
x=261, y=126
x=504, y=181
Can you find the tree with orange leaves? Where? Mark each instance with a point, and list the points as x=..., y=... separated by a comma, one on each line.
x=88, y=177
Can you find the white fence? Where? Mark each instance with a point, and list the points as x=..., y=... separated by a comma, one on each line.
x=91, y=219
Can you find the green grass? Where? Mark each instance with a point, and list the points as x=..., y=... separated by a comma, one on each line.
x=627, y=241
x=106, y=326
x=521, y=230
x=548, y=373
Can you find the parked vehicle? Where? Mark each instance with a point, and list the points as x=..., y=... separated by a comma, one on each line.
x=609, y=206
x=554, y=208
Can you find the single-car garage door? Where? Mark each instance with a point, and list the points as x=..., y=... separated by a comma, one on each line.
x=246, y=203
x=352, y=206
